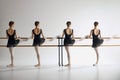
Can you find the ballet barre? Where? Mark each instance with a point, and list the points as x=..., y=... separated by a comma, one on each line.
x=61, y=38
x=25, y=38
x=107, y=45
x=60, y=45
x=32, y=46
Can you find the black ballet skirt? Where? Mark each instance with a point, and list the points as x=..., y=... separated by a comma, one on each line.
x=96, y=40
x=68, y=40
x=37, y=41
x=12, y=41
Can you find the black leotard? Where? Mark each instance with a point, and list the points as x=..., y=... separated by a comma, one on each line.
x=37, y=41
x=12, y=41
x=68, y=40
x=96, y=40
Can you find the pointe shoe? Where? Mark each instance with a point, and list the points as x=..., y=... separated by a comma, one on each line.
x=37, y=65
x=67, y=65
x=10, y=65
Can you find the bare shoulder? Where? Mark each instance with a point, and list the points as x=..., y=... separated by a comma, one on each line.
x=92, y=30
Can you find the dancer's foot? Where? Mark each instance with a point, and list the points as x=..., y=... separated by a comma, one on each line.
x=37, y=65
x=10, y=65
x=95, y=64
x=67, y=65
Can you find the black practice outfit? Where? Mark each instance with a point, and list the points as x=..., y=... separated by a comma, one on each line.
x=37, y=38
x=96, y=40
x=12, y=41
x=68, y=39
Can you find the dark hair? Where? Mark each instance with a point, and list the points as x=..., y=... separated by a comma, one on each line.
x=37, y=23
x=11, y=23
x=68, y=23
x=96, y=23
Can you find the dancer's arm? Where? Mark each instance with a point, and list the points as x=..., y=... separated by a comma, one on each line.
x=90, y=33
x=6, y=34
x=16, y=36
x=43, y=35
x=63, y=34
x=73, y=37
x=99, y=34
x=32, y=35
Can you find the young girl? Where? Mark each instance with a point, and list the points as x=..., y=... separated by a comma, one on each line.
x=68, y=40
x=12, y=40
x=97, y=41
x=37, y=40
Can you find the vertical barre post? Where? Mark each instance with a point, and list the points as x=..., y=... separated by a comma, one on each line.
x=59, y=52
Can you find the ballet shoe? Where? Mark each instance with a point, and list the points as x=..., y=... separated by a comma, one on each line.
x=67, y=65
x=37, y=65
x=10, y=65
x=95, y=64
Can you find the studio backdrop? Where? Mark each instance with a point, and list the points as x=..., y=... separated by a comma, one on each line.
x=53, y=15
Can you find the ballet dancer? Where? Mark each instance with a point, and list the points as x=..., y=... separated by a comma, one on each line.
x=97, y=40
x=38, y=39
x=13, y=40
x=68, y=40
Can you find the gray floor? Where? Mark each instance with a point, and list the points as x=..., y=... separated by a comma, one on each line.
x=51, y=72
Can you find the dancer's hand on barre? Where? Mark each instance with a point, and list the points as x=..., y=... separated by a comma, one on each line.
x=53, y=38
x=87, y=36
x=23, y=39
x=58, y=36
x=112, y=37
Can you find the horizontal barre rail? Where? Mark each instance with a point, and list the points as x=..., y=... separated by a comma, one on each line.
x=24, y=37
x=31, y=46
x=61, y=38
x=63, y=45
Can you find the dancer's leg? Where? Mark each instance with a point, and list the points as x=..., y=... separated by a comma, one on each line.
x=68, y=55
x=38, y=57
x=11, y=54
x=97, y=55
